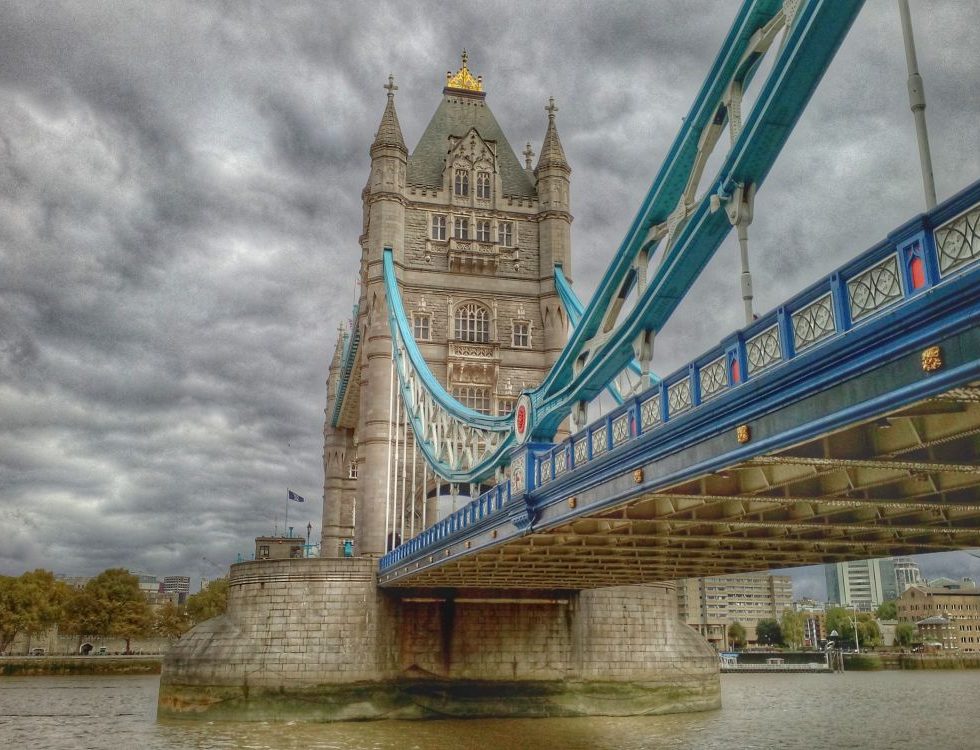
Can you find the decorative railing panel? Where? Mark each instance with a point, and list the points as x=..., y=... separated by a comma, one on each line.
x=650, y=413
x=713, y=378
x=599, y=440
x=762, y=350
x=813, y=323
x=875, y=289
x=958, y=241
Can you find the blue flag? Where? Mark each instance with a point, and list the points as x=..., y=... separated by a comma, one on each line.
x=290, y=495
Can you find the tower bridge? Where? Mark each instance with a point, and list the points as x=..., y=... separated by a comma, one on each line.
x=512, y=555
x=853, y=435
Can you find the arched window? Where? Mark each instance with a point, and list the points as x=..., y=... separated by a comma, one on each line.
x=483, y=185
x=472, y=323
x=462, y=184
x=483, y=231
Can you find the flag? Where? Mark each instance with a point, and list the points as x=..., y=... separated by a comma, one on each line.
x=290, y=495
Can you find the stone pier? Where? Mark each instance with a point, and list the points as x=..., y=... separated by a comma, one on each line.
x=317, y=640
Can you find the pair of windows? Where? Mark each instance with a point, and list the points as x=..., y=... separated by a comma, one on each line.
x=461, y=184
x=484, y=230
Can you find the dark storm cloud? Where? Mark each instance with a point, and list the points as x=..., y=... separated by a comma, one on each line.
x=180, y=206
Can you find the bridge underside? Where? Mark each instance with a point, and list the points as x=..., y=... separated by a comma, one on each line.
x=901, y=483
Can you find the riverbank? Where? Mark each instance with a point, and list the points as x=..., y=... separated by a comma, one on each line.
x=30, y=666
x=873, y=662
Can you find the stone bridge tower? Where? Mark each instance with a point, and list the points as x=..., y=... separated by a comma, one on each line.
x=476, y=235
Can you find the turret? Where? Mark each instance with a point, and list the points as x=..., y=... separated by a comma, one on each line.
x=336, y=516
x=554, y=232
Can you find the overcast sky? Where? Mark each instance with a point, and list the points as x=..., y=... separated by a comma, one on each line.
x=180, y=205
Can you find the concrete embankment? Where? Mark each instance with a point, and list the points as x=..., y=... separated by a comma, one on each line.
x=871, y=662
x=64, y=665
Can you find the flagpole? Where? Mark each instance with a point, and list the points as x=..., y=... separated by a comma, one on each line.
x=287, y=513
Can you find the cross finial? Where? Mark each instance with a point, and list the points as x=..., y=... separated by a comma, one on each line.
x=551, y=108
x=390, y=86
x=528, y=155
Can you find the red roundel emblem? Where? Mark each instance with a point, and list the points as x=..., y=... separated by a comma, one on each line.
x=521, y=418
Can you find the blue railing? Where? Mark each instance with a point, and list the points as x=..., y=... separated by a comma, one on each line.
x=924, y=253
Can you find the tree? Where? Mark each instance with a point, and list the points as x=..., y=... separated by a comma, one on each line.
x=111, y=604
x=209, y=602
x=170, y=621
x=842, y=620
x=905, y=634
x=736, y=635
x=792, y=627
x=30, y=603
x=887, y=610
x=768, y=632
x=869, y=631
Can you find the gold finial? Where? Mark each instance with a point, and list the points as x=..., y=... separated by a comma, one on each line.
x=390, y=86
x=464, y=79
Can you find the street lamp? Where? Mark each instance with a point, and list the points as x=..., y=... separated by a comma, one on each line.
x=857, y=642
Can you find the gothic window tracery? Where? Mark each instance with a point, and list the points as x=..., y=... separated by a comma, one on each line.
x=505, y=233
x=472, y=323
x=474, y=396
x=521, y=334
x=483, y=231
x=422, y=326
x=483, y=185
x=461, y=185
x=461, y=228
x=438, y=227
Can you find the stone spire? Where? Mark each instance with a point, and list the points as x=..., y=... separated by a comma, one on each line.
x=389, y=131
x=552, y=154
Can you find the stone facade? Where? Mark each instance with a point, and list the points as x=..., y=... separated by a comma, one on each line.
x=960, y=610
x=475, y=237
x=315, y=639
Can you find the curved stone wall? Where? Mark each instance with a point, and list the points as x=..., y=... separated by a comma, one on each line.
x=315, y=639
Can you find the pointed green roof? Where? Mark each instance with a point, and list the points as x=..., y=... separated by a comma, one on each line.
x=389, y=131
x=552, y=154
x=455, y=115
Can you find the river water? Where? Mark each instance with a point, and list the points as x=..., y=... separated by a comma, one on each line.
x=862, y=710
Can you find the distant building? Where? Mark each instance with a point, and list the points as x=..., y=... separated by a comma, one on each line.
x=177, y=588
x=961, y=607
x=76, y=582
x=907, y=574
x=814, y=621
x=938, y=632
x=710, y=605
x=952, y=584
x=861, y=583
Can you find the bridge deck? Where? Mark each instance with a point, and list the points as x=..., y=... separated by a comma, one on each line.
x=859, y=442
